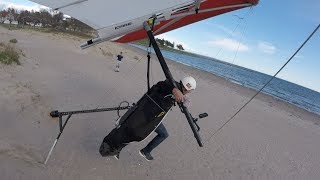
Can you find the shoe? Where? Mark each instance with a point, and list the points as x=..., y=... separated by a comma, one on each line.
x=116, y=156
x=146, y=155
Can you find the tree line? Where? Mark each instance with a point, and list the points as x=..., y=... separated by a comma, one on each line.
x=44, y=18
x=163, y=42
x=57, y=20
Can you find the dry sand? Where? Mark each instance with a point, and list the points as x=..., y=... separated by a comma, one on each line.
x=269, y=139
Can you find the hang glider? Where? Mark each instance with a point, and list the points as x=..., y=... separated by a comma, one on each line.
x=122, y=20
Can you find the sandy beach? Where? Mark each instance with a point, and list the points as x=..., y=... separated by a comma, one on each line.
x=269, y=139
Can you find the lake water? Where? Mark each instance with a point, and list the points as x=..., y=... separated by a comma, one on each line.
x=292, y=93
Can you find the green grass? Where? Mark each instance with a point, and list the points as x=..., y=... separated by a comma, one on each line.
x=13, y=41
x=8, y=54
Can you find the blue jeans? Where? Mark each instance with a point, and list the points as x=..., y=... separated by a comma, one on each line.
x=162, y=135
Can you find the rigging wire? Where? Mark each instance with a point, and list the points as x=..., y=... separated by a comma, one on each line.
x=242, y=107
x=107, y=92
x=241, y=38
x=241, y=20
x=131, y=69
x=116, y=83
x=213, y=135
x=151, y=22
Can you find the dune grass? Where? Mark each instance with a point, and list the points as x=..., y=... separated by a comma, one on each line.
x=13, y=41
x=8, y=54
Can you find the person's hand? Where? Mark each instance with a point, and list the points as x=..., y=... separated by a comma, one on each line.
x=177, y=94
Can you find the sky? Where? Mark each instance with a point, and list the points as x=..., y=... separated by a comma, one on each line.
x=261, y=38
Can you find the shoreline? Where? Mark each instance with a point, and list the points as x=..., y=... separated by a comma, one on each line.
x=269, y=139
x=293, y=109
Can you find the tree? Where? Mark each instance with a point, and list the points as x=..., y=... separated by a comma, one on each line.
x=160, y=41
x=179, y=46
x=168, y=43
x=57, y=20
x=3, y=15
x=82, y=27
x=45, y=17
x=12, y=15
x=35, y=17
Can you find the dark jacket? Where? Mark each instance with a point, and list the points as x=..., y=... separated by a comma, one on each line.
x=161, y=93
x=142, y=119
x=119, y=57
x=139, y=121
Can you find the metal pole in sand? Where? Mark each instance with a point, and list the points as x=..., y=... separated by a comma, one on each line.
x=56, y=141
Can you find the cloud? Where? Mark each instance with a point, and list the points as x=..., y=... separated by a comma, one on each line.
x=228, y=31
x=176, y=41
x=230, y=44
x=7, y=4
x=267, y=48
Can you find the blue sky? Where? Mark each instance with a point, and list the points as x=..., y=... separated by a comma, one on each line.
x=263, y=40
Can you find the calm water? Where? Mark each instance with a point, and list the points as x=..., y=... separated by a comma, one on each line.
x=281, y=89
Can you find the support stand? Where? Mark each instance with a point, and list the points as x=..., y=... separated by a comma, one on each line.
x=62, y=125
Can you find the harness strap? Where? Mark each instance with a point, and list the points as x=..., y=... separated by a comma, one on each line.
x=151, y=23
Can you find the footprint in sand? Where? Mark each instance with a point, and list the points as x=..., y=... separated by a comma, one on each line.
x=22, y=152
x=24, y=97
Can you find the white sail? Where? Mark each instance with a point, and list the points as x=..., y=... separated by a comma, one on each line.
x=100, y=14
x=116, y=19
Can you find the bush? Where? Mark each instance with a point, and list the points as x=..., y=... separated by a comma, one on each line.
x=8, y=55
x=13, y=41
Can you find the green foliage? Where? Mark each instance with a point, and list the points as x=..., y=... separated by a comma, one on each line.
x=13, y=41
x=161, y=44
x=179, y=46
x=45, y=21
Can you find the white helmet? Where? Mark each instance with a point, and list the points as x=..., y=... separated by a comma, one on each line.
x=189, y=83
